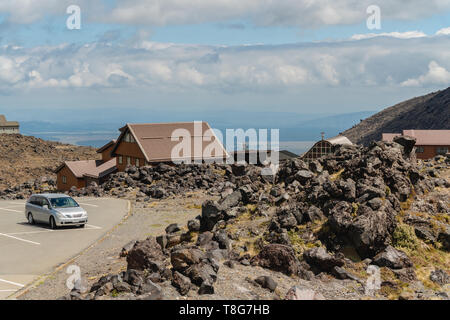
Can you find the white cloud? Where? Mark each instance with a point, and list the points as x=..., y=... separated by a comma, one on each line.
x=443, y=32
x=436, y=75
x=398, y=35
x=174, y=67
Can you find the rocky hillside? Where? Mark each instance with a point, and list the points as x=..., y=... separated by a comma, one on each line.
x=340, y=219
x=431, y=111
x=26, y=158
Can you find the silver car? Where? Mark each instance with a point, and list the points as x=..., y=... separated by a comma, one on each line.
x=56, y=210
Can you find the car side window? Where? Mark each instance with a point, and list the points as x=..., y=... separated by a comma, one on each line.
x=45, y=202
x=36, y=201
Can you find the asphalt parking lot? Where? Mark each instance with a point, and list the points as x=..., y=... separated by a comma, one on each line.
x=28, y=251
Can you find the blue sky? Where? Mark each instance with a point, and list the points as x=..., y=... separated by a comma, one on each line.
x=52, y=31
x=208, y=57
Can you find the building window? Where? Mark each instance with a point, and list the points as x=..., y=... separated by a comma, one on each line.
x=120, y=160
x=64, y=179
x=420, y=149
x=129, y=138
x=137, y=162
x=442, y=150
x=128, y=160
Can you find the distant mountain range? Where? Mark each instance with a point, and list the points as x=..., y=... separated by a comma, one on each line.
x=431, y=111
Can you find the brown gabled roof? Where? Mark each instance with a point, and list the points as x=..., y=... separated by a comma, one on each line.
x=4, y=123
x=423, y=137
x=154, y=140
x=89, y=168
x=106, y=146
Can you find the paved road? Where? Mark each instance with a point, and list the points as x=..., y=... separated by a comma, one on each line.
x=28, y=251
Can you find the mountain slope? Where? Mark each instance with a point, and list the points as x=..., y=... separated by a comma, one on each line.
x=431, y=111
x=24, y=158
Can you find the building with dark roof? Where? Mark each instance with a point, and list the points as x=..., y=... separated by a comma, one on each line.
x=260, y=157
x=106, y=150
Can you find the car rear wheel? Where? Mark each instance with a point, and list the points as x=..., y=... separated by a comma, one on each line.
x=30, y=218
x=52, y=223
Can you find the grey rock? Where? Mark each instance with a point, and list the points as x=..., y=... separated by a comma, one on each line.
x=172, y=228
x=266, y=282
x=392, y=258
x=320, y=260
x=440, y=277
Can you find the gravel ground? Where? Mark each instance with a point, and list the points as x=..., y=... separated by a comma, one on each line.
x=103, y=257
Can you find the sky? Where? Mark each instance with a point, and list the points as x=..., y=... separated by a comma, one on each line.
x=152, y=60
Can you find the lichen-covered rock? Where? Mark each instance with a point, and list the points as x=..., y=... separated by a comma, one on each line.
x=278, y=257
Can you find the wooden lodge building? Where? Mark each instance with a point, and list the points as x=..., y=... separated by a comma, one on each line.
x=151, y=143
x=138, y=145
x=81, y=173
x=429, y=143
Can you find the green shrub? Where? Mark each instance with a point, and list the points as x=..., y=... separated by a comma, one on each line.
x=405, y=237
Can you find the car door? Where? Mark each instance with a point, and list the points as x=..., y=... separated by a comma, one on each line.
x=37, y=209
x=45, y=212
x=30, y=207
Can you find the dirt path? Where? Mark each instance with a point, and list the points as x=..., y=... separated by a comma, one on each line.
x=103, y=258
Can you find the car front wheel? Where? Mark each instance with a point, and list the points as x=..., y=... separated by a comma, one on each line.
x=52, y=223
x=30, y=219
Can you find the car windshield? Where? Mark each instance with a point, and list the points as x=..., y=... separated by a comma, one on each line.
x=65, y=202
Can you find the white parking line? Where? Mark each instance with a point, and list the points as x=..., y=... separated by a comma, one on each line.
x=13, y=283
x=10, y=290
x=28, y=232
x=20, y=239
x=88, y=204
x=90, y=227
x=93, y=227
x=6, y=209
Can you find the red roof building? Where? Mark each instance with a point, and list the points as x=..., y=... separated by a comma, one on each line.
x=429, y=143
